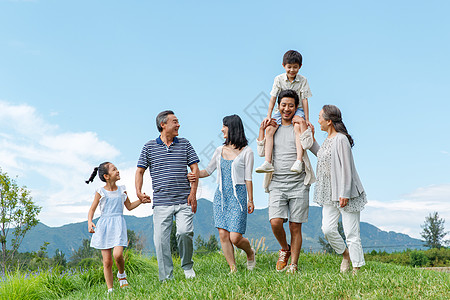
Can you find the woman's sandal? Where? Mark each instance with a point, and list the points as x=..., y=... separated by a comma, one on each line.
x=123, y=282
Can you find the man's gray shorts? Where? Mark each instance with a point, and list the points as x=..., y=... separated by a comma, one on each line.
x=289, y=200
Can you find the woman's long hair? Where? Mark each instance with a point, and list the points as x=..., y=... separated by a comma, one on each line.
x=236, y=134
x=331, y=112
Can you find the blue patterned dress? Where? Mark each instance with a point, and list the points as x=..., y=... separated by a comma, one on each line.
x=230, y=213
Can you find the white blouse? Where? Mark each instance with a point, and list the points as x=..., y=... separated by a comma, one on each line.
x=336, y=174
x=241, y=167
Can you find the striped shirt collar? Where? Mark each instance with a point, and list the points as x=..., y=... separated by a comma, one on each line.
x=159, y=141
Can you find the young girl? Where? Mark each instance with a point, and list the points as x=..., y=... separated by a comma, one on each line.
x=111, y=229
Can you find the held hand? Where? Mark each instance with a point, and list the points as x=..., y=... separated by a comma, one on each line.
x=273, y=122
x=309, y=124
x=91, y=227
x=192, y=201
x=250, y=207
x=343, y=202
x=191, y=177
x=312, y=128
x=268, y=122
x=144, y=198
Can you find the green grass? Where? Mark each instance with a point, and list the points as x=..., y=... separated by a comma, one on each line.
x=319, y=277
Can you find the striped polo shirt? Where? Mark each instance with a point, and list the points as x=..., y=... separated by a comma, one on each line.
x=168, y=169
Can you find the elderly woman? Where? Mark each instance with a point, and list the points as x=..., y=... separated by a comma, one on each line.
x=234, y=163
x=338, y=188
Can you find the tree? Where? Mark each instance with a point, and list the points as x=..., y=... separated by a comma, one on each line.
x=40, y=258
x=84, y=252
x=433, y=231
x=212, y=244
x=204, y=247
x=324, y=243
x=18, y=215
x=59, y=259
x=136, y=241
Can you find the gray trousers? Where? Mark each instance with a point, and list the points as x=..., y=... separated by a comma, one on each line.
x=162, y=224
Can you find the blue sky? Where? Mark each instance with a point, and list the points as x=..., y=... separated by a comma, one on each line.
x=82, y=81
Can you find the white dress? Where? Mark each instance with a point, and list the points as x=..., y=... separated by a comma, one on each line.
x=111, y=229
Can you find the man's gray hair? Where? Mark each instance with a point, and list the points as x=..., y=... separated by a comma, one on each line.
x=162, y=118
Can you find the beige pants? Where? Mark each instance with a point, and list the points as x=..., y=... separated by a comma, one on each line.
x=350, y=222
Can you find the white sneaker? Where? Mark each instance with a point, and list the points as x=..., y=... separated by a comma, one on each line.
x=251, y=263
x=189, y=273
x=266, y=167
x=297, y=166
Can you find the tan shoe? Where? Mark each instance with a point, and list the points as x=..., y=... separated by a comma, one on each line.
x=283, y=258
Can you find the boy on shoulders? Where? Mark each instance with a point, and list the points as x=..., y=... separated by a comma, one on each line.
x=291, y=80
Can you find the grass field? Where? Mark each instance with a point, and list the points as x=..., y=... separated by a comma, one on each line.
x=318, y=278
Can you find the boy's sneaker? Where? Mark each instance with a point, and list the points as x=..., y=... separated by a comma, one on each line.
x=345, y=266
x=292, y=269
x=283, y=258
x=189, y=273
x=297, y=166
x=266, y=167
x=252, y=263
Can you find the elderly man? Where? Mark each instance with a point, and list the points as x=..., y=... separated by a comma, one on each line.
x=167, y=159
x=288, y=190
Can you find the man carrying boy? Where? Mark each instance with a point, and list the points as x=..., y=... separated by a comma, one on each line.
x=288, y=191
x=167, y=158
x=292, y=62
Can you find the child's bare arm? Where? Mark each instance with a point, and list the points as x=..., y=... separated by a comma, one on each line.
x=132, y=205
x=306, y=110
x=270, y=110
x=94, y=205
x=271, y=106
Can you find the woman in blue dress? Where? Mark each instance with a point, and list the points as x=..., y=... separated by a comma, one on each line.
x=234, y=195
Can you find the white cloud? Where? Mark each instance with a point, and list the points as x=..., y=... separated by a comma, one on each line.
x=406, y=215
x=53, y=164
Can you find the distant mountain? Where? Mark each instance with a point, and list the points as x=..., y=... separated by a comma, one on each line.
x=68, y=238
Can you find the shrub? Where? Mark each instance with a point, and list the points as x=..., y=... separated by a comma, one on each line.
x=418, y=259
x=438, y=257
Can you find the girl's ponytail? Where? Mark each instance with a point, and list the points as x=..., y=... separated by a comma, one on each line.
x=102, y=170
x=92, y=176
x=331, y=112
